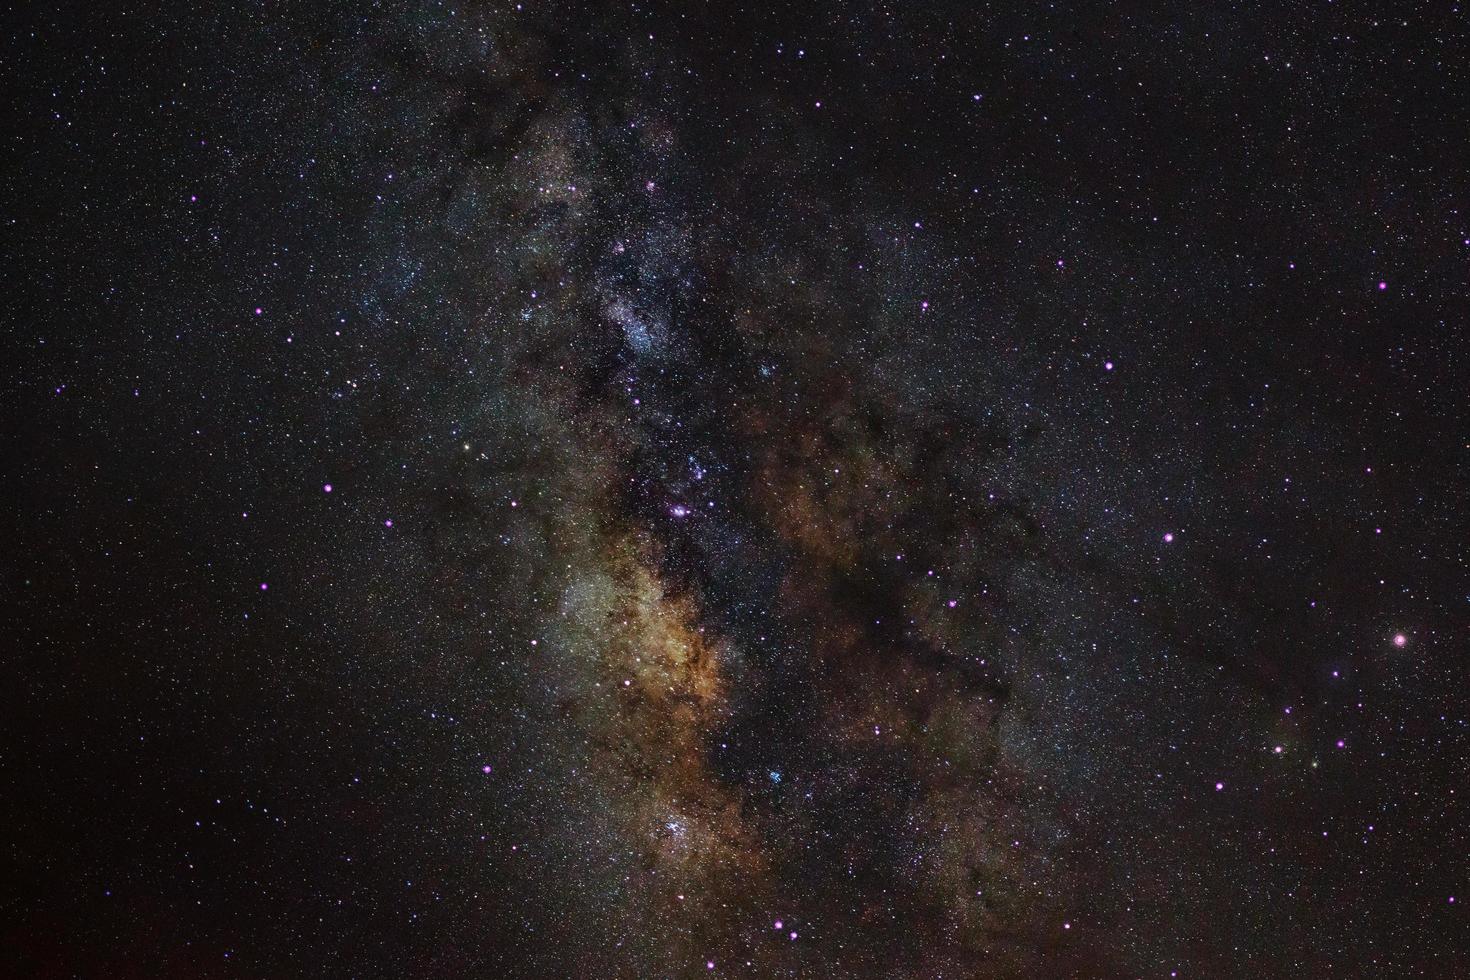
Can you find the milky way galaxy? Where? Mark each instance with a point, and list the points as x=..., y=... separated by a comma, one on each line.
x=676, y=490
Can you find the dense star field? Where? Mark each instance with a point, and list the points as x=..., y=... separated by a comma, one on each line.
x=893, y=490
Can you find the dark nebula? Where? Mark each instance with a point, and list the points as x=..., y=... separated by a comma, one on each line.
x=650, y=490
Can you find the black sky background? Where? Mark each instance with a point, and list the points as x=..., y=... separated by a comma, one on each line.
x=920, y=281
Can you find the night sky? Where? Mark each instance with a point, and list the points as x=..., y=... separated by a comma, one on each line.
x=670, y=489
